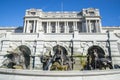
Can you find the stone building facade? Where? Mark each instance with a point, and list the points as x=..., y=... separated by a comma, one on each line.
x=75, y=31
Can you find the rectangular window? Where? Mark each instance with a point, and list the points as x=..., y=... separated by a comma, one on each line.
x=93, y=27
x=44, y=25
x=79, y=26
x=61, y=24
x=33, y=13
x=92, y=13
x=1, y=44
x=31, y=25
x=53, y=28
x=70, y=24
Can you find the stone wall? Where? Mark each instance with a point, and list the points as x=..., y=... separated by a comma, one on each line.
x=43, y=43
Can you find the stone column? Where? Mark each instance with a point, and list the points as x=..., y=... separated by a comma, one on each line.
x=96, y=26
x=34, y=26
x=86, y=26
x=89, y=26
x=40, y=26
x=25, y=26
x=100, y=25
x=56, y=25
x=37, y=26
x=65, y=27
x=98, y=30
x=74, y=26
x=47, y=27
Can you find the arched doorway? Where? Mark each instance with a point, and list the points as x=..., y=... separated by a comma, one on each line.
x=18, y=58
x=59, y=60
x=96, y=58
x=60, y=54
x=58, y=48
x=96, y=49
x=26, y=53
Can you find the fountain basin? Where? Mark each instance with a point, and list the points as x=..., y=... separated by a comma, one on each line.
x=16, y=74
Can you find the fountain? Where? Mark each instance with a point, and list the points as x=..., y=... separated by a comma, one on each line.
x=59, y=61
x=56, y=66
x=19, y=58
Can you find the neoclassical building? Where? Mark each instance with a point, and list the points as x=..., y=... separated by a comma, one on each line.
x=88, y=20
x=76, y=32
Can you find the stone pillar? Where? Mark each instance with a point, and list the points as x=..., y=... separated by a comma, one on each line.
x=40, y=26
x=86, y=26
x=89, y=26
x=24, y=26
x=74, y=26
x=56, y=25
x=47, y=28
x=98, y=30
x=31, y=63
x=100, y=25
x=65, y=27
x=34, y=23
x=96, y=26
x=27, y=27
x=37, y=26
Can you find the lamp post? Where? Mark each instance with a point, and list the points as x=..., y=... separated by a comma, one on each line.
x=109, y=46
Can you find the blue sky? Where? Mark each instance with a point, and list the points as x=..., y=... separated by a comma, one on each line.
x=13, y=11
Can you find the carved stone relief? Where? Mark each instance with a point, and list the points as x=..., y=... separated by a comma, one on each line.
x=85, y=45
